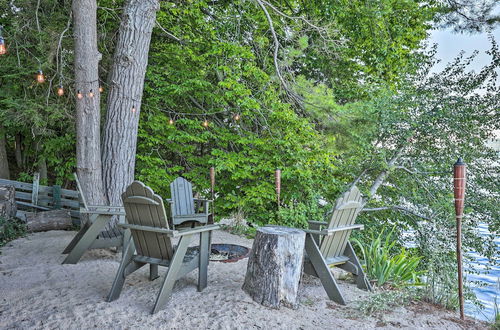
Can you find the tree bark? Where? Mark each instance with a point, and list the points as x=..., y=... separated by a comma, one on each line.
x=125, y=94
x=275, y=266
x=87, y=57
x=49, y=220
x=18, y=151
x=8, y=207
x=4, y=163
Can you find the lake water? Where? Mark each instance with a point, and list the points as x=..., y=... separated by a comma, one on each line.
x=491, y=291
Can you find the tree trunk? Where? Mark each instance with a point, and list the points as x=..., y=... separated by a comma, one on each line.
x=87, y=57
x=49, y=220
x=8, y=207
x=125, y=94
x=4, y=163
x=19, y=152
x=275, y=266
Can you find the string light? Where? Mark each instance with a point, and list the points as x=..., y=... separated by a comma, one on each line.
x=171, y=121
x=79, y=95
x=60, y=90
x=205, y=123
x=236, y=116
x=40, y=78
x=91, y=94
x=3, y=49
x=101, y=89
x=133, y=109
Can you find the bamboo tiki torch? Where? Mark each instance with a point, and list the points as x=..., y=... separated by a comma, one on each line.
x=459, y=180
x=212, y=190
x=277, y=180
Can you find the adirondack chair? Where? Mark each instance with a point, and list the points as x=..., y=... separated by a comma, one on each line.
x=327, y=244
x=151, y=243
x=184, y=207
x=94, y=233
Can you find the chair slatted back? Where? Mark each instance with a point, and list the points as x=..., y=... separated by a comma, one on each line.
x=345, y=212
x=182, y=197
x=143, y=207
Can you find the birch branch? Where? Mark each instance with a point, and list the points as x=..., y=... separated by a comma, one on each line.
x=395, y=207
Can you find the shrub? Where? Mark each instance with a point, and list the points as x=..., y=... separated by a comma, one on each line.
x=10, y=230
x=384, y=268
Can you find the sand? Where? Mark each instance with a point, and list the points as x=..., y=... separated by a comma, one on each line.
x=37, y=292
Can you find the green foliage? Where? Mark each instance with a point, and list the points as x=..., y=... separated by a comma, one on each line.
x=387, y=299
x=388, y=269
x=10, y=230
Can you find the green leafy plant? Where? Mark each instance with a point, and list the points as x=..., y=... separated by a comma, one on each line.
x=387, y=269
x=10, y=230
x=387, y=299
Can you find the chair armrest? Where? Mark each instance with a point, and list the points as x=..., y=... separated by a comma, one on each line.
x=196, y=230
x=328, y=232
x=165, y=231
x=103, y=212
x=321, y=223
x=203, y=200
x=169, y=200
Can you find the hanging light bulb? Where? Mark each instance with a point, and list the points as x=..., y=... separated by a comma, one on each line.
x=40, y=78
x=236, y=116
x=60, y=90
x=3, y=48
x=101, y=89
x=205, y=123
x=91, y=94
x=171, y=121
x=79, y=95
x=133, y=109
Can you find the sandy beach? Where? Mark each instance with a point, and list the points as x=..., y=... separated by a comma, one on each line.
x=37, y=292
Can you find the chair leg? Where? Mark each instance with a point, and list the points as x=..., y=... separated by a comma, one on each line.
x=361, y=279
x=77, y=238
x=153, y=272
x=173, y=269
x=127, y=256
x=87, y=239
x=323, y=271
x=203, y=260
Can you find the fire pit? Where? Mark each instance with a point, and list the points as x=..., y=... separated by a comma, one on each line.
x=228, y=252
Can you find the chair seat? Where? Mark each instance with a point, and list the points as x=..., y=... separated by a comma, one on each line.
x=192, y=252
x=110, y=233
x=332, y=261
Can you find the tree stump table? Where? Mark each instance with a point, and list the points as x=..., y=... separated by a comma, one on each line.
x=275, y=266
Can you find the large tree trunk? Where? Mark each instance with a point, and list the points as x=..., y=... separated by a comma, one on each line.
x=4, y=163
x=125, y=94
x=87, y=57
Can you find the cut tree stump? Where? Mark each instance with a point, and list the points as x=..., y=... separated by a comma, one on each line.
x=49, y=220
x=275, y=266
x=8, y=206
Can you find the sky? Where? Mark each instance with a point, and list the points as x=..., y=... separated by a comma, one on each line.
x=450, y=44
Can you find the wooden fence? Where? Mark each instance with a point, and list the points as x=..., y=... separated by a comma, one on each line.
x=33, y=196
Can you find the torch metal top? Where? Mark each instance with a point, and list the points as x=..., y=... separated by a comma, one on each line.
x=459, y=162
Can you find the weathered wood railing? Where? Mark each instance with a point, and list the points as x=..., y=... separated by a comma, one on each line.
x=33, y=196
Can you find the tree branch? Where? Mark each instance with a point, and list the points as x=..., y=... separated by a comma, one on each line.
x=399, y=208
x=170, y=35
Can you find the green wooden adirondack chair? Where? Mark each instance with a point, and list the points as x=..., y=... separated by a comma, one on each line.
x=151, y=243
x=183, y=206
x=94, y=233
x=327, y=244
